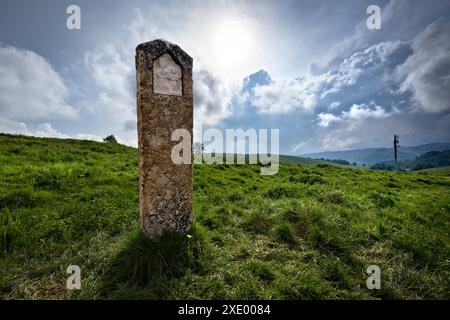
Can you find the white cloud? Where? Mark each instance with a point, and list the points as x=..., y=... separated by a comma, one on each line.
x=111, y=67
x=87, y=136
x=325, y=119
x=350, y=70
x=13, y=127
x=334, y=141
x=114, y=76
x=363, y=111
x=426, y=73
x=298, y=146
x=46, y=130
x=283, y=97
x=30, y=88
x=357, y=112
x=42, y=130
x=359, y=124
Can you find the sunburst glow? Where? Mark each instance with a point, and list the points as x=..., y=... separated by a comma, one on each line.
x=233, y=41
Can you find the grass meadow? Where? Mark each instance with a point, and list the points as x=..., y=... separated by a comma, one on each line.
x=308, y=232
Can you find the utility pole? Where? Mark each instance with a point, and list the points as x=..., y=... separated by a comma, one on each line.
x=396, y=137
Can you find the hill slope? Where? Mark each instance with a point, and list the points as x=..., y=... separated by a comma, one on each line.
x=286, y=159
x=374, y=155
x=443, y=171
x=431, y=159
x=307, y=161
x=308, y=232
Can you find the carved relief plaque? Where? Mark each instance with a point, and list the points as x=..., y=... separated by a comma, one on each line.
x=167, y=76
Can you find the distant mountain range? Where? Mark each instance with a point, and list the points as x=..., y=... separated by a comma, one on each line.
x=373, y=155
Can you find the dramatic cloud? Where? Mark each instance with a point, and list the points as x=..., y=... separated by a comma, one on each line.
x=308, y=91
x=426, y=73
x=30, y=88
x=324, y=85
x=369, y=61
x=211, y=98
x=114, y=76
x=111, y=66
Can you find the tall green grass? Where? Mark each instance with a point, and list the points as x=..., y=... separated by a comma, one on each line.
x=308, y=232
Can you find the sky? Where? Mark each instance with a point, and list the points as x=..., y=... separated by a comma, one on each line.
x=312, y=69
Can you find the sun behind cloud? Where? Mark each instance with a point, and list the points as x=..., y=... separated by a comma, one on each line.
x=233, y=41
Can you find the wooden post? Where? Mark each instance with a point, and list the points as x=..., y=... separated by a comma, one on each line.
x=395, y=152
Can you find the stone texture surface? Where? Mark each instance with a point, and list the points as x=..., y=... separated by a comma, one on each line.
x=165, y=189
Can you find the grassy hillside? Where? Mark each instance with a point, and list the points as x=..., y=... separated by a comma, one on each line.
x=308, y=232
x=443, y=171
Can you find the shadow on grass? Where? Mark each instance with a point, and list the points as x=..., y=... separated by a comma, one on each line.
x=148, y=269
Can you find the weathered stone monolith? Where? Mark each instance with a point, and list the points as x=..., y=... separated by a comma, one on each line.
x=164, y=104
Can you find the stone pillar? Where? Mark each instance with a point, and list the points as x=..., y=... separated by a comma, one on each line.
x=164, y=104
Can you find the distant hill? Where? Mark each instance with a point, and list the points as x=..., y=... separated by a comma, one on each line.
x=373, y=155
x=307, y=161
x=286, y=159
x=431, y=159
